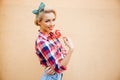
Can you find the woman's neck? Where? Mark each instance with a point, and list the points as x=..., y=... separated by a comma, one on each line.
x=44, y=32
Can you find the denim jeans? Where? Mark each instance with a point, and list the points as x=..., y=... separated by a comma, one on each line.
x=56, y=76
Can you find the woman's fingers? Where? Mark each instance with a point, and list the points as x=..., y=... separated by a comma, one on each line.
x=68, y=42
x=49, y=71
x=47, y=68
x=65, y=41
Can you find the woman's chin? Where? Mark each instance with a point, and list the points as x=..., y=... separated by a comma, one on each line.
x=50, y=30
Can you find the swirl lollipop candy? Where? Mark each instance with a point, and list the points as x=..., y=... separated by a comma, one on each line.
x=57, y=34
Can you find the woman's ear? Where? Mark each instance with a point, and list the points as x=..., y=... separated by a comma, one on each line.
x=38, y=22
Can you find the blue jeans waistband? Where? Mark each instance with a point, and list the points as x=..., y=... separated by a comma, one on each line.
x=56, y=76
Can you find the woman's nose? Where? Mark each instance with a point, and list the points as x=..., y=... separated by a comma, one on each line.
x=52, y=23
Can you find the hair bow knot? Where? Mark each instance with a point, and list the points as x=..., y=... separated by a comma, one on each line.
x=40, y=8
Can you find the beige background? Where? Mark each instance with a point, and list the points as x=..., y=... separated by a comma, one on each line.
x=93, y=25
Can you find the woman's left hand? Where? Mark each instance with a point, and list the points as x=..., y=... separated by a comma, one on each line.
x=49, y=71
x=68, y=42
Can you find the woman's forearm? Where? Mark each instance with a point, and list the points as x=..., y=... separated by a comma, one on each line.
x=66, y=60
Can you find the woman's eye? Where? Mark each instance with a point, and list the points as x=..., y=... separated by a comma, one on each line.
x=53, y=19
x=47, y=20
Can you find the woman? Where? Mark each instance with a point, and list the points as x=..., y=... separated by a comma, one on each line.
x=48, y=47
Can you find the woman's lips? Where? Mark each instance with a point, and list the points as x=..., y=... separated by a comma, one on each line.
x=50, y=28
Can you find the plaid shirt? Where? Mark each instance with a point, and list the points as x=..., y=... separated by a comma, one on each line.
x=50, y=51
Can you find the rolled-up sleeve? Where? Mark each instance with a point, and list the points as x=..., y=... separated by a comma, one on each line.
x=44, y=47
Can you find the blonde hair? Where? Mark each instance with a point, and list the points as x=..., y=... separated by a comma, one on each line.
x=39, y=16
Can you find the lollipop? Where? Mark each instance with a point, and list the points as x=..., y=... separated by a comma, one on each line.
x=57, y=34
